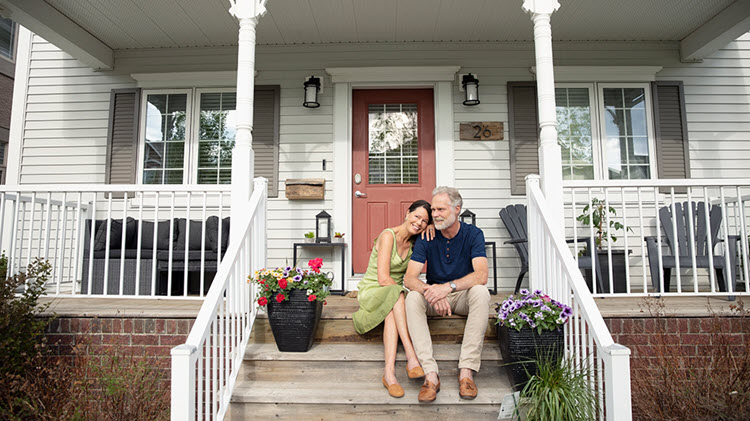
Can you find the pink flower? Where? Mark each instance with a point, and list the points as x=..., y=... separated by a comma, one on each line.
x=280, y=298
x=262, y=301
x=315, y=264
x=282, y=283
x=311, y=297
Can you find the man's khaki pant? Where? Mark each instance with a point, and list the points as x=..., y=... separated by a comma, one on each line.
x=473, y=303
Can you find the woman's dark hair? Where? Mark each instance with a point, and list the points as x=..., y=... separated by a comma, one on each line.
x=422, y=204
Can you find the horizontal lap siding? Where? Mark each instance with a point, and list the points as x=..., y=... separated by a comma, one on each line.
x=67, y=118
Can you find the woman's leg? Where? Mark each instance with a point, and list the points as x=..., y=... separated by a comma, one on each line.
x=399, y=313
x=390, y=344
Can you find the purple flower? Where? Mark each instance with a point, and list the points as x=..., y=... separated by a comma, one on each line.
x=524, y=291
x=297, y=278
x=537, y=292
x=538, y=315
x=288, y=268
x=545, y=308
x=299, y=271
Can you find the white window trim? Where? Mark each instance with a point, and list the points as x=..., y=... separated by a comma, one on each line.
x=598, y=135
x=142, y=129
x=13, y=44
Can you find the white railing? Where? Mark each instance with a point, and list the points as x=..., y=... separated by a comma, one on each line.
x=117, y=240
x=553, y=270
x=702, y=251
x=205, y=368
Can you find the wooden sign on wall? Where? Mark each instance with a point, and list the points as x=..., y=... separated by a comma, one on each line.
x=481, y=130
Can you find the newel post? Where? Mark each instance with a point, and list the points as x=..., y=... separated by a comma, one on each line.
x=184, y=358
x=243, y=158
x=617, y=387
x=550, y=162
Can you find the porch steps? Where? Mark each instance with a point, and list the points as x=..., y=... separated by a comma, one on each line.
x=340, y=377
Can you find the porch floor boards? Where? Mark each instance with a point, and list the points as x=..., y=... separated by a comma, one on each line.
x=343, y=307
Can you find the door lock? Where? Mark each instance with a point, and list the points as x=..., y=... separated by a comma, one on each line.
x=359, y=194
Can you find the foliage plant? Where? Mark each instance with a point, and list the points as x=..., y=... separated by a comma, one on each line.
x=559, y=390
x=338, y=235
x=596, y=212
x=310, y=234
x=534, y=311
x=276, y=284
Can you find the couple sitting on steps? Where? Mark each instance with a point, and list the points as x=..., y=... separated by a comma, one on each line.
x=456, y=278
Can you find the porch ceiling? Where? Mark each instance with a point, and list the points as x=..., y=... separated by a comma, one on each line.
x=135, y=24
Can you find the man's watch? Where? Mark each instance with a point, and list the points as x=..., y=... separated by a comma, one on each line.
x=453, y=286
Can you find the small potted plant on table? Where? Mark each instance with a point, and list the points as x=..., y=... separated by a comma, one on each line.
x=530, y=325
x=294, y=300
x=310, y=237
x=338, y=237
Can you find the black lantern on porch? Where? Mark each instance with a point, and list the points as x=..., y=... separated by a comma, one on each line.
x=312, y=87
x=468, y=217
x=471, y=89
x=323, y=227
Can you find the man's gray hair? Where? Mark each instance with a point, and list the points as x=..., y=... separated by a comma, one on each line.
x=453, y=195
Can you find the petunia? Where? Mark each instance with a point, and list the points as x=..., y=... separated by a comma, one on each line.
x=282, y=283
x=280, y=298
x=262, y=301
x=311, y=298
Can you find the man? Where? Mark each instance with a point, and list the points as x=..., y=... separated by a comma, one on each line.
x=456, y=283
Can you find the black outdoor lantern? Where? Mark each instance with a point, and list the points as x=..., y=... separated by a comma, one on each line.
x=471, y=89
x=312, y=87
x=323, y=227
x=468, y=217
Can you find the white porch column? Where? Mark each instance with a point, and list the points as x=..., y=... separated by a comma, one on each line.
x=550, y=163
x=247, y=12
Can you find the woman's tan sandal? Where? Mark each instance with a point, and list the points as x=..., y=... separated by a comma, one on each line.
x=394, y=390
x=415, y=373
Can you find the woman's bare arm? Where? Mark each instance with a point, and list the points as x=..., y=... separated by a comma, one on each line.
x=385, y=247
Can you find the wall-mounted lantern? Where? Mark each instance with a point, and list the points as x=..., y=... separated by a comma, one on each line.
x=312, y=88
x=470, y=86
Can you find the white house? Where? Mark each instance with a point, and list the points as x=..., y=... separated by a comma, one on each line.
x=144, y=95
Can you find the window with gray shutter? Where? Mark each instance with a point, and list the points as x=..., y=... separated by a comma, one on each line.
x=266, y=135
x=670, y=124
x=523, y=127
x=122, y=136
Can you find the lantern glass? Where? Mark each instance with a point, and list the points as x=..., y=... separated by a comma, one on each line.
x=323, y=227
x=468, y=217
x=471, y=89
x=312, y=87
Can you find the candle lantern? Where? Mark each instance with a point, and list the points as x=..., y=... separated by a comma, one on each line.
x=323, y=227
x=468, y=217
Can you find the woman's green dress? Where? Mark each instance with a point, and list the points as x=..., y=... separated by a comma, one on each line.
x=376, y=301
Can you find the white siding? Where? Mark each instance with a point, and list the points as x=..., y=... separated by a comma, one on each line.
x=66, y=119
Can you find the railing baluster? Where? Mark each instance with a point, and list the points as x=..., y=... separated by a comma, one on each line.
x=677, y=243
x=691, y=232
x=728, y=269
x=592, y=244
x=203, y=246
x=743, y=237
x=78, y=239
x=20, y=240
x=709, y=240
x=138, y=243
x=625, y=238
x=154, y=246
x=658, y=241
x=608, y=229
x=186, y=262
x=122, y=243
x=92, y=233
x=642, y=229
x=108, y=244
x=47, y=226
x=171, y=249
x=11, y=261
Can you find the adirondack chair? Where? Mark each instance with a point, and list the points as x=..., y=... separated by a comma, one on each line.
x=680, y=245
x=514, y=219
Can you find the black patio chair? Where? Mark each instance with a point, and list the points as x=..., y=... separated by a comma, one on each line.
x=681, y=245
x=514, y=218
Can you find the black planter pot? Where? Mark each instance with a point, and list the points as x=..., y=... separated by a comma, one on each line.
x=520, y=350
x=293, y=322
x=618, y=272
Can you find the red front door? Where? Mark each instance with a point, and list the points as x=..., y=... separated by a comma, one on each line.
x=393, y=161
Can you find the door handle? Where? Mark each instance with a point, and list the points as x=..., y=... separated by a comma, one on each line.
x=359, y=194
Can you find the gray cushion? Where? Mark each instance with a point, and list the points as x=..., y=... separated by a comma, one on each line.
x=213, y=233
x=115, y=234
x=147, y=237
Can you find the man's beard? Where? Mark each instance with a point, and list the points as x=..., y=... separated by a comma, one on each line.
x=445, y=223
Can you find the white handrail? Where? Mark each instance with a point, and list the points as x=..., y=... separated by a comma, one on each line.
x=691, y=182
x=205, y=367
x=553, y=269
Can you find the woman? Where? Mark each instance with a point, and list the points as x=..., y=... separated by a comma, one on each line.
x=381, y=293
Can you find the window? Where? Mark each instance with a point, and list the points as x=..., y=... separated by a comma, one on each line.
x=615, y=141
x=188, y=136
x=7, y=38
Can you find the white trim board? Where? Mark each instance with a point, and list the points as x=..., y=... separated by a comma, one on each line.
x=604, y=73
x=344, y=80
x=186, y=79
x=18, y=112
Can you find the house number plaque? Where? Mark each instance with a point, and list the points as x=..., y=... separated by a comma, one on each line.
x=481, y=130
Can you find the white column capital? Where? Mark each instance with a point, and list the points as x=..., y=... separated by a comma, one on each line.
x=247, y=9
x=540, y=6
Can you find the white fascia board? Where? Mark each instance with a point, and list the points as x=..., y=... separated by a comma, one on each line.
x=47, y=22
x=604, y=73
x=399, y=74
x=717, y=32
x=186, y=79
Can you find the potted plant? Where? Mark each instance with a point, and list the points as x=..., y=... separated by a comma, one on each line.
x=294, y=300
x=338, y=237
x=310, y=237
x=530, y=324
x=595, y=214
x=559, y=390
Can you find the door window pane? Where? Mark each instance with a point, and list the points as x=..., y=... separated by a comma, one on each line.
x=164, y=151
x=7, y=37
x=574, y=133
x=393, y=144
x=626, y=133
x=216, y=133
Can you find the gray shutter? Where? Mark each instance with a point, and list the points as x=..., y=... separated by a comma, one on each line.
x=523, y=127
x=122, y=136
x=266, y=135
x=670, y=126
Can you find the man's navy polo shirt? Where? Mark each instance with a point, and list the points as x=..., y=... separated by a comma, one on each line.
x=450, y=259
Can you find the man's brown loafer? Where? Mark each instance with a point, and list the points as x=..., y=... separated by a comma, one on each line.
x=428, y=391
x=467, y=389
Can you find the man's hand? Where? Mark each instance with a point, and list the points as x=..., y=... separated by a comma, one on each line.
x=442, y=307
x=436, y=292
